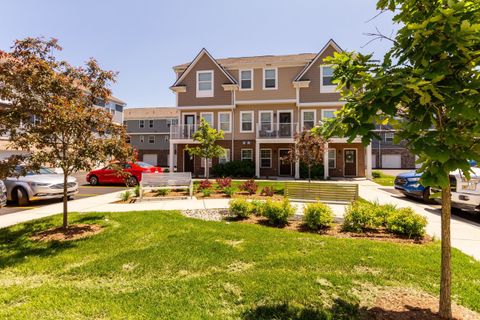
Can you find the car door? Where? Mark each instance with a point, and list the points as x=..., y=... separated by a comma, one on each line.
x=106, y=175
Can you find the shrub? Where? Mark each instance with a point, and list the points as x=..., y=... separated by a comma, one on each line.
x=382, y=212
x=278, y=212
x=236, y=169
x=124, y=196
x=249, y=186
x=206, y=192
x=205, y=184
x=316, y=171
x=240, y=208
x=268, y=191
x=162, y=192
x=257, y=207
x=359, y=216
x=376, y=174
x=136, y=190
x=317, y=215
x=229, y=191
x=224, y=182
x=406, y=222
x=166, y=170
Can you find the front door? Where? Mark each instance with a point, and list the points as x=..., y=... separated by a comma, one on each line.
x=189, y=125
x=285, y=124
x=187, y=162
x=350, y=160
x=284, y=166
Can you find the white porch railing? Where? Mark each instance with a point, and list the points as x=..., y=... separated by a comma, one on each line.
x=276, y=130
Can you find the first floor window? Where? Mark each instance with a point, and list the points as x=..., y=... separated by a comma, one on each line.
x=151, y=139
x=246, y=121
x=202, y=163
x=142, y=138
x=224, y=121
x=225, y=157
x=127, y=139
x=308, y=120
x=332, y=159
x=265, y=158
x=247, y=154
x=167, y=138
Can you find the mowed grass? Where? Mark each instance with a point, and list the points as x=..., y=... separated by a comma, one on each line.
x=383, y=179
x=161, y=265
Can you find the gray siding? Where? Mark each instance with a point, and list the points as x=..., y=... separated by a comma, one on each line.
x=159, y=126
x=160, y=142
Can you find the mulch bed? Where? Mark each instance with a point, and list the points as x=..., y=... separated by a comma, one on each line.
x=72, y=232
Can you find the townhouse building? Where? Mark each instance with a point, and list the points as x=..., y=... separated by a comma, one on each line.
x=148, y=131
x=388, y=154
x=260, y=103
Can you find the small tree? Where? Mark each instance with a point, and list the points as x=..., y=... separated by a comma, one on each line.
x=207, y=149
x=308, y=149
x=52, y=113
x=430, y=79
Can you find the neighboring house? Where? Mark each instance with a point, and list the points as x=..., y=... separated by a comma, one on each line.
x=148, y=130
x=260, y=103
x=386, y=154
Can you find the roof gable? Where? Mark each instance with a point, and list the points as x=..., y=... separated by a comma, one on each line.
x=331, y=43
x=202, y=53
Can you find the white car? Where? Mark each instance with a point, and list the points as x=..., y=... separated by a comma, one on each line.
x=40, y=185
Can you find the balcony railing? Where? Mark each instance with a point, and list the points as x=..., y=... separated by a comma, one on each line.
x=276, y=130
x=182, y=131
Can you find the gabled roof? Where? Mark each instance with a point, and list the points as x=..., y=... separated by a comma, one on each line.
x=319, y=54
x=194, y=62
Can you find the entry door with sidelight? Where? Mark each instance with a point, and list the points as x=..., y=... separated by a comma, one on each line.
x=188, y=162
x=285, y=125
x=350, y=160
x=189, y=125
x=284, y=166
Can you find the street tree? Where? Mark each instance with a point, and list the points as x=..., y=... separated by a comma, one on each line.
x=52, y=113
x=206, y=136
x=429, y=81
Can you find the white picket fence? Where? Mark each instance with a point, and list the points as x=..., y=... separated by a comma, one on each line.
x=166, y=180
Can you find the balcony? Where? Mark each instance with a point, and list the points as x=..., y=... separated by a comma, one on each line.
x=276, y=130
x=182, y=131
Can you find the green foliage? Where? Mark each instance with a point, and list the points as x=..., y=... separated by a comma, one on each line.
x=249, y=186
x=207, y=192
x=125, y=196
x=360, y=216
x=383, y=179
x=229, y=191
x=376, y=174
x=317, y=216
x=240, y=208
x=235, y=169
x=406, y=222
x=316, y=171
x=257, y=207
x=278, y=212
x=136, y=190
x=162, y=192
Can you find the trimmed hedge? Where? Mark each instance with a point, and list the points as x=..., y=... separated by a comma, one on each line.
x=317, y=216
x=316, y=172
x=234, y=169
x=278, y=212
x=240, y=208
x=406, y=222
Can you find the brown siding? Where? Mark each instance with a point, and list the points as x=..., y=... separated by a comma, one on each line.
x=221, y=97
x=339, y=150
x=312, y=93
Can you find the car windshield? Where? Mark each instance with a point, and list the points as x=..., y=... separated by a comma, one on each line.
x=42, y=170
x=143, y=165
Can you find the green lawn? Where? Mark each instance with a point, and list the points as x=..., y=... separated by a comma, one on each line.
x=161, y=265
x=383, y=179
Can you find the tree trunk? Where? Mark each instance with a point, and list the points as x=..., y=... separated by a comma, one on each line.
x=65, y=199
x=445, y=308
x=207, y=173
x=309, y=170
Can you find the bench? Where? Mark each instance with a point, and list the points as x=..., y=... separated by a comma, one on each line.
x=321, y=191
x=166, y=180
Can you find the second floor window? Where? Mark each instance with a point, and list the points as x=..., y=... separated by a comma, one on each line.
x=224, y=121
x=328, y=114
x=150, y=123
x=204, y=83
x=389, y=136
x=269, y=79
x=266, y=120
x=246, y=119
x=246, y=79
x=208, y=117
x=141, y=124
x=308, y=119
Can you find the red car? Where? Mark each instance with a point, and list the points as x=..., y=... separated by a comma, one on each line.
x=109, y=175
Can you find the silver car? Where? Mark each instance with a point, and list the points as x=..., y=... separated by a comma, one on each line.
x=3, y=194
x=39, y=185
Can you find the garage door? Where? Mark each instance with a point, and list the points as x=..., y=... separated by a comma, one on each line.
x=150, y=159
x=393, y=161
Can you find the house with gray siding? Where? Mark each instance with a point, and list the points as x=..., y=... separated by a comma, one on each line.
x=148, y=131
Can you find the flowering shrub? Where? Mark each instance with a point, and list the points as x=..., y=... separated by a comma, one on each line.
x=249, y=186
x=267, y=191
x=205, y=184
x=224, y=182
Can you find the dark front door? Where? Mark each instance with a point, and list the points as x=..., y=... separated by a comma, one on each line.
x=187, y=162
x=285, y=124
x=284, y=166
x=350, y=162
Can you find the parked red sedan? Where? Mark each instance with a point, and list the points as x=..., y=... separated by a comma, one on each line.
x=109, y=175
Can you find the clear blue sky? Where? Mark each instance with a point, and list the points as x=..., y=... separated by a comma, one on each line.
x=143, y=39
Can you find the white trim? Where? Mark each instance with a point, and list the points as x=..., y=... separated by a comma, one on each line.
x=194, y=114
x=141, y=123
x=260, y=117
x=241, y=102
x=326, y=88
x=227, y=156
x=205, y=93
x=356, y=162
x=335, y=158
x=278, y=160
x=303, y=117
x=322, y=104
x=210, y=113
x=291, y=118
x=253, y=121
x=241, y=154
x=151, y=136
x=194, y=62
x=330, y=42
x=276, y=78
x=271, y=158
x=323, y=112
x=230, y=122
x=240, y=79
x=392, y=134
x=142, y=139
x=152, y=122
x=220, y=107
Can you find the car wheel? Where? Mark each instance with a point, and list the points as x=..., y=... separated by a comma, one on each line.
x=93, y=181
x=132, y=182
x=21, y=197
x=70, y=198
x=426, y=196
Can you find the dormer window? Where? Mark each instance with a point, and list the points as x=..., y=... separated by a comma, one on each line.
x=270, y=79
x=326, y=79
x=204, y=84
x=246, y=79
